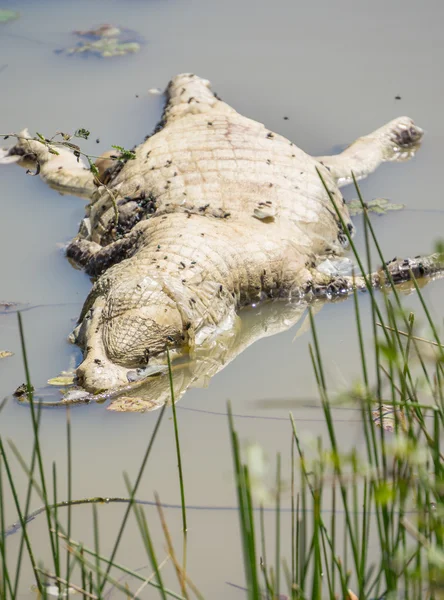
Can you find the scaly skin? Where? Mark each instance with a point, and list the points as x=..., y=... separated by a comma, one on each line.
x=216, y=212
x=176, y=286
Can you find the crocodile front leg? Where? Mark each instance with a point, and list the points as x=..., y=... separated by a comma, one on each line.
x=395, y=141
x=62, y=171
x=95, y=259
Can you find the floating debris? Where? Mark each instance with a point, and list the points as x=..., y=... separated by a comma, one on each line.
x=380, y=206
x=4, y=304
x=388, y=416
x=106, y=41
x=22, y=391
x=7, y=15
x=131, y=404
x=148, y=371
x=76, y=395
x=65, y=378
x=155, y=91
x=5, y=354
x=337, y=267
x=107, y=48
x=62, y=380
x=100, y=32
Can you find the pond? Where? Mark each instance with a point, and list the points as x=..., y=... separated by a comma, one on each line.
x=335, y=70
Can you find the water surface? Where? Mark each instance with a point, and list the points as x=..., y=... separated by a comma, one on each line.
x=332, y=68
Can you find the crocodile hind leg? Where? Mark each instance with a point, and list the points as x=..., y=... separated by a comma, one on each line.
x=395, y=141
x=400, y=271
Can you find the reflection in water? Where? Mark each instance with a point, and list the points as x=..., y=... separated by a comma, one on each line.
x=212, y=356
x=208, y=359
x=150, y=387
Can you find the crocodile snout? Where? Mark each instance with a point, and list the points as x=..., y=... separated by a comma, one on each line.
x=97, y=375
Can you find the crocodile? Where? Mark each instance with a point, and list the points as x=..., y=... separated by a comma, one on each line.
x=214, y=213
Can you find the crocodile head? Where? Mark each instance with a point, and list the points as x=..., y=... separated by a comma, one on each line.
x=118, y=344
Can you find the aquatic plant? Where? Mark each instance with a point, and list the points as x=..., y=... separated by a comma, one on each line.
x=7, y=15
x=106, y=41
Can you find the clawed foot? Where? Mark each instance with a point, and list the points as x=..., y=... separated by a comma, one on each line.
x=421, y=266
x=22, y=152
x=404, y=139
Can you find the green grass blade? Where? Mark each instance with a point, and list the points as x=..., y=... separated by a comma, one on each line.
x=178, y=453
x=278, y=526
x=133, y=494
x=20, y=515
x=35, y=423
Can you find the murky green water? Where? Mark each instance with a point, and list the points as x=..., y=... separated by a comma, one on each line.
x=333, y=68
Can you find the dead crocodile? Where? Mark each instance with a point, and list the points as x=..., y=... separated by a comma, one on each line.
x=216, y=212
